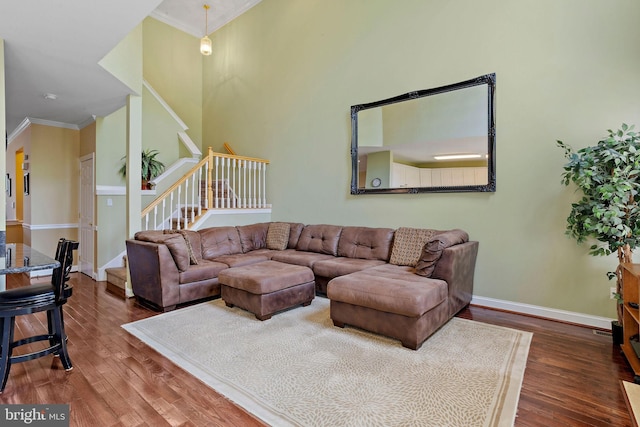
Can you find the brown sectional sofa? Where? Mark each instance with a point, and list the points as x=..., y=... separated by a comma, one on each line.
x=403, y=283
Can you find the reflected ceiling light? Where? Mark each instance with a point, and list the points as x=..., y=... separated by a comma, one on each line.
x=50, y=96
x=205, y=42
x=457, y=156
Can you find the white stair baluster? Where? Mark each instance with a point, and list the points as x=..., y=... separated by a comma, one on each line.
x=244, y=183
x=253, y=193
x=215, y=184
x=234, y=203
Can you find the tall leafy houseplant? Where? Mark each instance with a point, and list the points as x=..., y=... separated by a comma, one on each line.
x=608, y=175
x=151, y=167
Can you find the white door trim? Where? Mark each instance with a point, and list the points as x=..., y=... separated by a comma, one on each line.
x=86, y=214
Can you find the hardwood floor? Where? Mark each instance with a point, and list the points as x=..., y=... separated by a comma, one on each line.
x=572, y=376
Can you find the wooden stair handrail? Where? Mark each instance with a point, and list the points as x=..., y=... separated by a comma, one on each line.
x=229, y=149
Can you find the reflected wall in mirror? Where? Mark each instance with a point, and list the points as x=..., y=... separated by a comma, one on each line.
x=433, y=140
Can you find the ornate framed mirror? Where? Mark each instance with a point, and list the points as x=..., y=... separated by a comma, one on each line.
x=434, y=140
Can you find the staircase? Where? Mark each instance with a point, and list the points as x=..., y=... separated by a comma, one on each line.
x=219, y=181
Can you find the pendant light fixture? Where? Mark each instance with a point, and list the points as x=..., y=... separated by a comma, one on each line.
x=205, y=42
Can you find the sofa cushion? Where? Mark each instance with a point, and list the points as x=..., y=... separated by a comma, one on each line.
x=218, y=241
x=295, y=229
x=204, y=270
x=339, y=266
x=408, y=244
x=383, y=290
x=365, y=243
x=238, y=260
x=320, y=238
x=174, y=242
x=253, y=236
x=432, y=251
x=292, y=256
x=278, y=236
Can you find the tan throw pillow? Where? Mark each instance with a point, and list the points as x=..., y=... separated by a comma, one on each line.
x=278, y=236
x=433, y=250
x=408, y=244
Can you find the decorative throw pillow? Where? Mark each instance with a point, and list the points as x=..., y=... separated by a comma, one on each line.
x=178, y=249
x=433, y=250
x=408, y=244
x=278, y=236
x=192, y=257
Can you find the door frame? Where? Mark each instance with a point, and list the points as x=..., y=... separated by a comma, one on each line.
x=88, y=270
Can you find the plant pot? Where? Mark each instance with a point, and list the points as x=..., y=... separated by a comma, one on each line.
x=616, y=332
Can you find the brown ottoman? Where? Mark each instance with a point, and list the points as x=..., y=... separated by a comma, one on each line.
x=267, y=287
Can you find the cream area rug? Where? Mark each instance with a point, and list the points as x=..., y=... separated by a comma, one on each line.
x=297, y=369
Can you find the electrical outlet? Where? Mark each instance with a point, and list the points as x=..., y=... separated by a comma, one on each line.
x=612, y=292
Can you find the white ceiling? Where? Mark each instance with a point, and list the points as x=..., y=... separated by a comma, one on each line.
x=54, y=46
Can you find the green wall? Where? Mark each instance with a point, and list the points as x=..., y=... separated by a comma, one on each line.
x=173, y=67
x=283, y=76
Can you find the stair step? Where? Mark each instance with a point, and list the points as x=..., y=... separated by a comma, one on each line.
x=117, y=280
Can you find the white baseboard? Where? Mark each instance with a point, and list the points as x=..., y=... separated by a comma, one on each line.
x=546, y=312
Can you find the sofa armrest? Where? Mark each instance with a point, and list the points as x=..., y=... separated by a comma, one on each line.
x=154, y=274
x=456, y=266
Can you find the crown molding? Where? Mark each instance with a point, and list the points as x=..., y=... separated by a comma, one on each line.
x=175, y=23
x=28, y=121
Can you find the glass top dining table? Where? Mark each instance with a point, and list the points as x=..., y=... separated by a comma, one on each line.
x=21, y=258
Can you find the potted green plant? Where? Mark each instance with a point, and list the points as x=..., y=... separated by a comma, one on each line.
x=151, y=167
x=608, y=176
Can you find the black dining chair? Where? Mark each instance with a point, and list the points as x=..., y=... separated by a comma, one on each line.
x=32, y=299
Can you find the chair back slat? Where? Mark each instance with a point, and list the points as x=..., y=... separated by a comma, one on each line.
x=60, y=275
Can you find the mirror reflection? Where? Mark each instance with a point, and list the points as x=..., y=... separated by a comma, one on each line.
x=440, y=139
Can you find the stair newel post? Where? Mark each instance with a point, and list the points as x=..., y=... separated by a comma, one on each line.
x=226, y=182
x=207, y=186
x=210, y=180
x=264, y=184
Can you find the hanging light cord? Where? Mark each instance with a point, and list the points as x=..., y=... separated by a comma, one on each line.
x=206, y=19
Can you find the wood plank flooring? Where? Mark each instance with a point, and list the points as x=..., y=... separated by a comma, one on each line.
x=572, y=377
